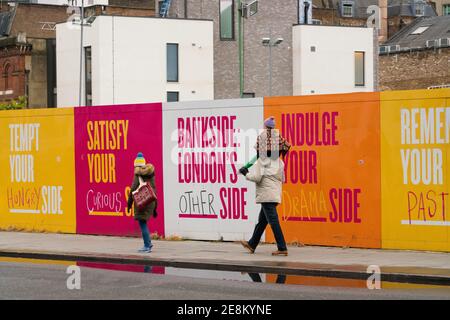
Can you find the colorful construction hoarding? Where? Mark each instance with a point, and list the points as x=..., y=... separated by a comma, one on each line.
x=415, y=140
x=205, y=144
x=37, y=180
x=107, y=142
x=332, y=191
x=365, y=170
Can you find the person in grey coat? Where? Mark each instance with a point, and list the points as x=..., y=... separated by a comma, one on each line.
x=268, y=175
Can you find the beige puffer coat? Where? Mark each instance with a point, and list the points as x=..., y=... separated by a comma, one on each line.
x=268, y=174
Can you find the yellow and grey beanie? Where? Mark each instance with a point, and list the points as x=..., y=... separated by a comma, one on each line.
x=139, y=161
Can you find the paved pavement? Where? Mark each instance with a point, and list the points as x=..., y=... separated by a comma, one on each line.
x=395, y=265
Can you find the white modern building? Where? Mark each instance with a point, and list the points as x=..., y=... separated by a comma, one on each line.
x=135, y=60
x=71, y=2
x=329, y=59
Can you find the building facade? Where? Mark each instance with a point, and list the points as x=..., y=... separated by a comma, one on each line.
x=243, y=66
x=442, y=7
x=349, y=69
x=241, y=62
x=28, y=48
x=418, y=57
x=135, y=60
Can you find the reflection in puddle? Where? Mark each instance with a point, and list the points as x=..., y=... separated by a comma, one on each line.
x=314, y=281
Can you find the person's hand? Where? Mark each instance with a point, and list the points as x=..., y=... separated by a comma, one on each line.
x=243, y=171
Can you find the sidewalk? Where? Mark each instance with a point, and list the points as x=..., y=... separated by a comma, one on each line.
x=395, y=265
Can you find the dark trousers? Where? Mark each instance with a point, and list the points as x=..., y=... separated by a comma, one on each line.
x=268, y=215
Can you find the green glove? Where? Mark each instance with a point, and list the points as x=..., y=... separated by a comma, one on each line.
x=251, y=162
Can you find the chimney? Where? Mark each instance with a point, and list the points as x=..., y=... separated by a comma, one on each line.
x=383, y=35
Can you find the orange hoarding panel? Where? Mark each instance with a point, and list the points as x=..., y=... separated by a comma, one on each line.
x=332, y=190
x=415, y=140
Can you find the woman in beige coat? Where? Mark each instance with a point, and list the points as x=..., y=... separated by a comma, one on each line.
x=268, y=175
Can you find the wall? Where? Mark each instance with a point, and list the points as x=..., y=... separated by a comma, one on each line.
x=75, y=2
x=16, y=78
x=131, y=70
x=37, y=79
x=415, y=70
x=439, y=6
x=366, y=170
x=331, y=68
x=30, y=17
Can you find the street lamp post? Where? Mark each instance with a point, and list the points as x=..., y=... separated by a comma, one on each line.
x=80, y=99
x=269, y=42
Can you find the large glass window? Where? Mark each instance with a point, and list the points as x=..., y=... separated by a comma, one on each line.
x=359, y=69
x=227, y=19
x=172, y=62
x=88, y=75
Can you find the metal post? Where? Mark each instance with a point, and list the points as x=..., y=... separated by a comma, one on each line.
x=270, y=68
x=81, y=53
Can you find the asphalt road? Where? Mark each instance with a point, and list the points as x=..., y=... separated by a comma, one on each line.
x=49, y=281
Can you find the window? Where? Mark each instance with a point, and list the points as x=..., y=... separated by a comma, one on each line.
x=6, y=75
x=446, y=10
x=173, y=96
x=420, y=30
x=226, y=19
x=359, y=69
x=248, y=94
x=172, y=62
x=88, y=75
x=419, y=9
x=347, y=9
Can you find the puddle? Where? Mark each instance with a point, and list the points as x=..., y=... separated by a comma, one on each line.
x=315, y=281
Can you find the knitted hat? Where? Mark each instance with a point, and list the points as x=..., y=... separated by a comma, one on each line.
x=270, y=122
x=139, y=161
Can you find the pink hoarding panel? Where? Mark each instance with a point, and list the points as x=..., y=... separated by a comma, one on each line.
x=107, y=140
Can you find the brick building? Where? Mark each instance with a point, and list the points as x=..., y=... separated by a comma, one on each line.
x=28, y=48
x=399, y=13
x=442, y=7
x=418, y=57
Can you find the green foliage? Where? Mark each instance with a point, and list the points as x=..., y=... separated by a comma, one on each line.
x=19, y=103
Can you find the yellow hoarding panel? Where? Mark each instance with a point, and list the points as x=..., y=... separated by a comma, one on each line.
x=37, y=184
x=415, y=144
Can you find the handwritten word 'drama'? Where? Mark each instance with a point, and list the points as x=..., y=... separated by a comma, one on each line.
x=421, y=126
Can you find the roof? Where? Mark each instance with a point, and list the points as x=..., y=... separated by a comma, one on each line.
x=395, y=7
x=416, y=35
